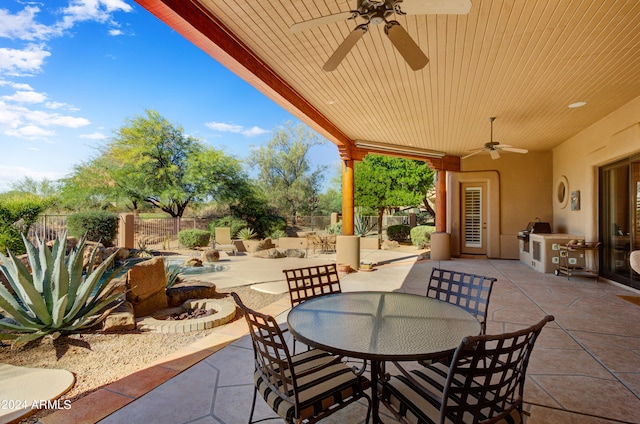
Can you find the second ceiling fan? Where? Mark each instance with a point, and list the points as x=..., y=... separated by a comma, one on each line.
x=376, y=12
x=493, y=147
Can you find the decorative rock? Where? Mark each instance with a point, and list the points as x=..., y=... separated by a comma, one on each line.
x=120, y=319
x=210, y=255
x=123, y=254
x=147, y=282
x=295, y=253
x=266, y=244
x=270, y=254
x=390, y=244
x=182, y=292
x=193, y=262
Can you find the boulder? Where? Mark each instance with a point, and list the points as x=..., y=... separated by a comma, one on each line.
x=120, y=319
x=210, y=255
x=295, y=253
x=192, y=262
x=270, y=254
x=390, y=245
x=194, y=289
x=147, y=285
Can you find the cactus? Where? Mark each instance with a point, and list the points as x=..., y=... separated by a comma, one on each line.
x=56, y=296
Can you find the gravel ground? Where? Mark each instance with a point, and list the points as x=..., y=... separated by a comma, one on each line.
x=85, y=355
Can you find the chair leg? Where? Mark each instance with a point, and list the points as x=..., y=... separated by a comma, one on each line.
x=253, y=404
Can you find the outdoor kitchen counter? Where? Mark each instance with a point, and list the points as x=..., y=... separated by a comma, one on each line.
x=541, y=253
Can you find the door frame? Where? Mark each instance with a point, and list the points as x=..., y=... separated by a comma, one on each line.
x=482, y=248
x=454, y=208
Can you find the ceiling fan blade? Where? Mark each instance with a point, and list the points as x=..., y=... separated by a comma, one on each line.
x=405, y=45
x=473, y=153
x=494, y=154
x=514, y=149
x=434, y=7
x=322, y=20
x=345, y=47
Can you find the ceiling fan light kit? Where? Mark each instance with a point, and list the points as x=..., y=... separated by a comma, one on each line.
x=493, y=147
x=377, y=12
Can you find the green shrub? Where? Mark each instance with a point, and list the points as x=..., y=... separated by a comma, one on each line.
x=17, y=214
x=421, y=235
x=247, y=234
x=234, y=223
x=194, y=238
x=55, y=297
x=398, y=232
x=275, y=235
x=101, y=226
x=267, y=224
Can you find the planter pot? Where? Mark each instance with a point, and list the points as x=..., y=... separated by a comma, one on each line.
x=343, y=267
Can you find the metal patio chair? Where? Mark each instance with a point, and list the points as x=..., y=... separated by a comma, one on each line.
x=469, y=291
x=303, y=388
x=483, y=384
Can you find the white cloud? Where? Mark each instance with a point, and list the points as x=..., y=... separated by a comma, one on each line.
x=30, y=132
x=92, y=10
x=93, y=136
x=253, y=131
x=46, y=119
x=26, y=97
x=23, y=26
x=238, y=129
x=19, y=62
x=115, y=32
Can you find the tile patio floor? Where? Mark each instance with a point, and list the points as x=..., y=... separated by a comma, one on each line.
x=585, y=367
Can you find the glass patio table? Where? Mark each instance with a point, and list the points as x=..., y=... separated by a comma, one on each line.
x=381, y=326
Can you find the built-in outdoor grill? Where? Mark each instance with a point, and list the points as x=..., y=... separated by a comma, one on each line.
x=534, y=227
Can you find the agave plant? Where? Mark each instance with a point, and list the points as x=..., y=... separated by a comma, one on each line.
x=247, y=234
x=56, y=297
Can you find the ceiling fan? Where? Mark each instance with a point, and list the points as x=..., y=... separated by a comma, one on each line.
x=376, y=12
x=493, y=146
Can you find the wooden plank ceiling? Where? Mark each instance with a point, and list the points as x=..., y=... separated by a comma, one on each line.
x=521, y=61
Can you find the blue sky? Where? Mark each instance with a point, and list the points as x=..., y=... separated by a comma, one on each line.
x=73, y=71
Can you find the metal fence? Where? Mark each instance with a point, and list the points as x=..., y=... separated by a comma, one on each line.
x=165, y=230
x=47, y=227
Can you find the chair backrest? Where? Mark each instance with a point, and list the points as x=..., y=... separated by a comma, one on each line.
x=271, y=354
x=468, y=291
x=223, y=235
x=307, y=283
x=486, y=378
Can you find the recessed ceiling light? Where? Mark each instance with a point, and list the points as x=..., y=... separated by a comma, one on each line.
x=577, y=104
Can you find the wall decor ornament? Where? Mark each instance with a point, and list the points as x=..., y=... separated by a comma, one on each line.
x=575, y=200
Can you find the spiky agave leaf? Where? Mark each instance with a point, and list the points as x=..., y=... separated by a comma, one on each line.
x=46, y=262
x=24, y=339
x=37, y=272
x=30, y=297
x=58, y=312
x=75, y=262
x=60, y=274
x=12, y=307
x=86, y=288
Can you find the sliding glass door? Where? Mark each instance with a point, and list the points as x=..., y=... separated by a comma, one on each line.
x=620, y=219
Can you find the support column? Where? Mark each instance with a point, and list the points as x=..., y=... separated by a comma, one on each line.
x=441, y=201
x=441, y=240
x=348, y=245
x=347, y=197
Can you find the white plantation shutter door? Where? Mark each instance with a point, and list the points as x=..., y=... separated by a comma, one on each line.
x=473, y=217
